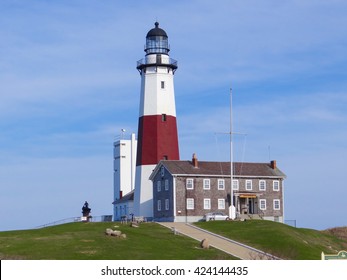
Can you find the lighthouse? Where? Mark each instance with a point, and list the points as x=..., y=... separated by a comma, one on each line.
x=157, y=137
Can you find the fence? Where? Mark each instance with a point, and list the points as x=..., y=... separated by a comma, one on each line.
x=103, y=218
x=290, y=223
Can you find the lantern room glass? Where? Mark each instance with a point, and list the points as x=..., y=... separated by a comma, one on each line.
x=157, y=45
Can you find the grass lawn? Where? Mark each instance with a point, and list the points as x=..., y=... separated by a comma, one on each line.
x=278, y=239
x=87, y=241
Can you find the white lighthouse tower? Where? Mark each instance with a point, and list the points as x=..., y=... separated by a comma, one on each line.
x=157, y=127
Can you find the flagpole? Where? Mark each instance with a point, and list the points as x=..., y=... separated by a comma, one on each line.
x=232, y=213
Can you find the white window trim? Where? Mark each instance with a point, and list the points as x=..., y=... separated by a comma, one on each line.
x=279, y=204
x=277, y=189
x=167, y=204
x=260, y=204
x=221, y=187
x=235, y=185
x=207, y=203
x=260, y=188
x=166, y=184
x=251, y=185
x=158, y=186
x=159, y=205
x=207, y=187
x=221, y=203
x=192, y=184
x=190, y=203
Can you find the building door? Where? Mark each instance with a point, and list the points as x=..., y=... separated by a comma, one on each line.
x=243, y=206
x=251, y=208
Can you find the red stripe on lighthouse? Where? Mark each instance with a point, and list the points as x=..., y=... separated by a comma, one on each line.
x=157, y=139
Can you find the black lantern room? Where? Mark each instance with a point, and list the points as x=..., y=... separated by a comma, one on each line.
x=157, y=41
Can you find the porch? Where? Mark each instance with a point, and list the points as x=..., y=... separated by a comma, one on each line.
x=247, y=206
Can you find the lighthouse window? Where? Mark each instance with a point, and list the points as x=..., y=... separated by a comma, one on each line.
x=163, y=117
x=162, y=84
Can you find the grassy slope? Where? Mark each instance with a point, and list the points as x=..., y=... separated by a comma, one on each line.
x=84, y=241
x=278, y=239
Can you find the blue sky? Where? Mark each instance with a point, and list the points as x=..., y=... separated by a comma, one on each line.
x=68, y=84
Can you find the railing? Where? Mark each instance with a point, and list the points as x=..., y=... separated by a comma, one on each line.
x=103, y=218
x=163, y=61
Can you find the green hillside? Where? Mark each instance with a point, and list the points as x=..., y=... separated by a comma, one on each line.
x=279, y=239
x=88, y=241
x=83, y=241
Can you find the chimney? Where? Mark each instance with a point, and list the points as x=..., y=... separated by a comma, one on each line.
x=195, y=161
x=120, y=194
x=273, y=164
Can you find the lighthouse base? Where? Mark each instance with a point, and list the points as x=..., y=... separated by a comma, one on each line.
x=143, y=196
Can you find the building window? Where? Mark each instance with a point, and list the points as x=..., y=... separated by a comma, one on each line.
x=206, y=184
x=262, y=185
x=158, y=186
x=221, y=203
x=262, y=204
x=276, y=186
x=235, y=185
x=207, y=203
x=162, y=171
x=162, y=84
x=163, y=117
x=190, y=184
x=190, y=203
x=159, y=205
x=277, y=204
x=167, y=204
x=248, y=185
x=221, y=185
x=166, y=184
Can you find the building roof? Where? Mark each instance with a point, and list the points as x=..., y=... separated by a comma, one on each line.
x=212, y=168
x=128, y=197
x=156, y=31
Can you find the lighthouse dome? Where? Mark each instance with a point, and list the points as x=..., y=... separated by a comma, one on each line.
x=157, y=41
x=156, y=31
